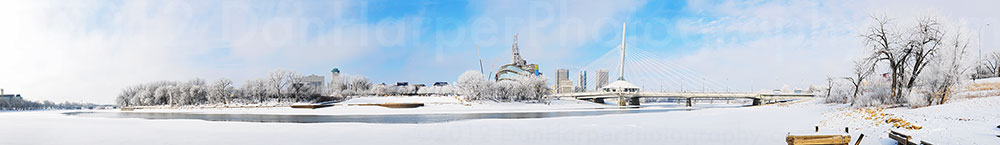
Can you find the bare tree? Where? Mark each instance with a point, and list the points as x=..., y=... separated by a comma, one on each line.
x=279, y=80
x=924, y=43
x=862, y=69
x=991, y=66
x=950, y=70
x=221, y=91
x=829, y=86
x=255, y=90
x=886, y=46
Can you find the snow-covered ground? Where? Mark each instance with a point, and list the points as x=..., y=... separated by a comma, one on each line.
x=749, y=125
x=962, y=122
x=765, y=125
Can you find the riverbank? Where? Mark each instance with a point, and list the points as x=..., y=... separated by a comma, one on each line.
x=768, y=124
x=968, y=121
x=970, y=117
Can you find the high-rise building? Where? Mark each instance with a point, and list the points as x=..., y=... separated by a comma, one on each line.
x=602, y=79
x=314, y=80
x=582, y=85
x=563, y=84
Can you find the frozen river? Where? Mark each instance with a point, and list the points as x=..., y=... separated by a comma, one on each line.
x=389, y=118
x=365, y=125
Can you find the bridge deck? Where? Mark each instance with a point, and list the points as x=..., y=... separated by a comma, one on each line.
x=603, y=95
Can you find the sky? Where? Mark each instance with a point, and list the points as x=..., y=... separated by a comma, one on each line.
x=89, y=50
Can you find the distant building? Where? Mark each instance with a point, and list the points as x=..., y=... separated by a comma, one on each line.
x=402, y=83
x=519, y=66
x=314, y=80
x=582, y=81
x=335, y=75
x=9, y=96
x=440, y=83
x=563, y=84
x=602, y=79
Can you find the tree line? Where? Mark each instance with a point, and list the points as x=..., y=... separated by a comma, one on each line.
x=20, y=104
x=278, y=86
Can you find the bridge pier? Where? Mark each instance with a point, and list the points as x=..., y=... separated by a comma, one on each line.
x=757, y=102
x=633, y=101
x=689, y=102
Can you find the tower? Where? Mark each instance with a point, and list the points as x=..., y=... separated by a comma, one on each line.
x=621, y=70
x=621, y=85
x=516, y=54
x=334, y=75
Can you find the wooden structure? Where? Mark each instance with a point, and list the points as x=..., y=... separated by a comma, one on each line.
x=401, y=105
x=903, y=139
x=818, y=139
x=311, y=106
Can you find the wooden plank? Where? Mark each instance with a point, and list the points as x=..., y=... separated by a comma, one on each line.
x=862, y=136
x=817, y=139
x=925, y=143
x=311, y=106
x=901, y=139
x=900, y=134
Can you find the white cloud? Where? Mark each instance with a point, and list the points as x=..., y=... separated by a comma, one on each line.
x=766, y=44
x=89, y=50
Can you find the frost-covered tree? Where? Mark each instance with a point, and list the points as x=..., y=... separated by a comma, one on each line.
x=534, y=87
x=888, y=47
x=255, y=91
x=221, y=91
x=162, y=94
x=474, y=86
x=125, y=97
x=908, y=54
x=277, y=81
x=948, y=71
x=356, y=86
x=863, y=68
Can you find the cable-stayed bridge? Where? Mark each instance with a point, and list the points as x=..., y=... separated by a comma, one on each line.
x=642, y=74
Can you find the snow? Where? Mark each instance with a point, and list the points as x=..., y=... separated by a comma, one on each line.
x=970, y=121
x=768, y=124
x=749, y=125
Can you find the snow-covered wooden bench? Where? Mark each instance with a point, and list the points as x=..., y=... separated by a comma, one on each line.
x=818, y=139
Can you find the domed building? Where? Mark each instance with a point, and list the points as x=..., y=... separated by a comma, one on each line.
x=518, y=67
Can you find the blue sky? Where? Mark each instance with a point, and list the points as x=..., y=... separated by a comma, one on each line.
x=91, y=49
